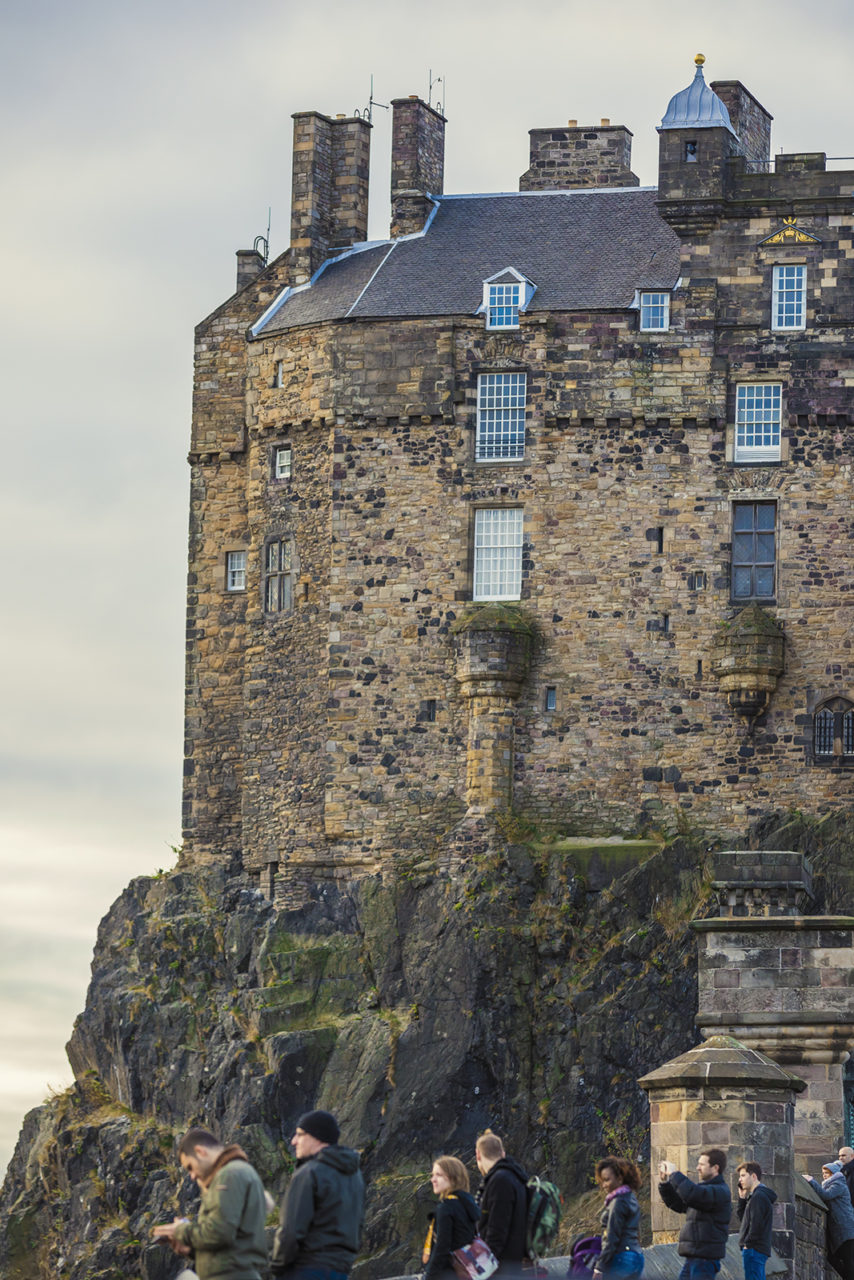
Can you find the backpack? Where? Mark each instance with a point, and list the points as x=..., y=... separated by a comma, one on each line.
x=545, y=1206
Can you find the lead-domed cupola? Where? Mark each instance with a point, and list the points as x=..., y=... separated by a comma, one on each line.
x=697, y=107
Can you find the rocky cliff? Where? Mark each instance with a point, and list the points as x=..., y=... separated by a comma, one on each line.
x=524, y=991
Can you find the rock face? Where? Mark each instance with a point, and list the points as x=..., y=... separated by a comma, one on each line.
x=421, y=1008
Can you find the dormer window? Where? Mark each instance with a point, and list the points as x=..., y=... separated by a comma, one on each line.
x=654, y=311
x=505, y=297
x=502, y=308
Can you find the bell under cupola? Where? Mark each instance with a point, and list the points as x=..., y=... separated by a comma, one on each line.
x=696, y=144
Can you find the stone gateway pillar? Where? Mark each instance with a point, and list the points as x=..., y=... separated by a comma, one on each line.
x=723, y=1094
x=779, y=979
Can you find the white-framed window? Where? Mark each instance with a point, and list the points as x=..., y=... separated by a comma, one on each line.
x=235, y=571
x=654, y=311
x=282, y=462
x=498, y=553
x=758, y=417
x=277, y=576
x=500, y=431
x=502, y=305
x=789, y=298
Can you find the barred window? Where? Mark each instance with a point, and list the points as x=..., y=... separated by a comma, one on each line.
x=502, y=306
x=654, y=311
x=277, y=576
x=788, y=298
x=758, y=416
x=498, y=553
x=235, y=571
x=754, y=557
x=500, y=430
x=833, y=732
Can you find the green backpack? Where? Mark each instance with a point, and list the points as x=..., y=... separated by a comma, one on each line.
x=545, y=1207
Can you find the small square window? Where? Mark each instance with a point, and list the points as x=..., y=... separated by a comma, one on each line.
x=654, y=312
x=282, y=462
x=690, y=152
x=758, y=420
x=277, y=576
x=502, y=306
x=498, y=553
x=235, y=571
x=754, y=550
x=789, y=298
x=500, y=432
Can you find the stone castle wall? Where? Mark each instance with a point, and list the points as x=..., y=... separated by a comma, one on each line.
x=336, y=732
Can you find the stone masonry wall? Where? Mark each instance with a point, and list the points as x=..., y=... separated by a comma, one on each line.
x=356, y=738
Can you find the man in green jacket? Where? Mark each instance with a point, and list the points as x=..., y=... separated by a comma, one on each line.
x=227, y=1237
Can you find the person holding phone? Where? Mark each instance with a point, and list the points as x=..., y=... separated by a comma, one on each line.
x=707, y=1205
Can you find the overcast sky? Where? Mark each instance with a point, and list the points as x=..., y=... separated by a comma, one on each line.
x=144, y=143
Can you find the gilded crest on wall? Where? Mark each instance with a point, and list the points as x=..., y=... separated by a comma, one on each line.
x=790, y=233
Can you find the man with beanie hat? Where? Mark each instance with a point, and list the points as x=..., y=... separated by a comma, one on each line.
x=320, y=1223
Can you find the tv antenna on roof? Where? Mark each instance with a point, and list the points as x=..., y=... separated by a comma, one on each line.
x=431, y=82
x=264, y=241
x=367, y=113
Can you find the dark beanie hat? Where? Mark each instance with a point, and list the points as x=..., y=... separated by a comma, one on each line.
x=321, y=1125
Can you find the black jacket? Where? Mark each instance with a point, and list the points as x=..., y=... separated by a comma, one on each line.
x=848, y=1170
x=756, y=1214
x=620, y=1225
x=707, y=1207
x=504, y=1210
x=320, y=1223
x=453, y=1224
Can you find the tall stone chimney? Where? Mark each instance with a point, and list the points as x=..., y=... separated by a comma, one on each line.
x=329, y=200
x=417, y=162
x=587, y=156
x=748, y=117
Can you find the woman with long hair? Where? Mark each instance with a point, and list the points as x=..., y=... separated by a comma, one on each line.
x=621, y=1257
x=454, y=1223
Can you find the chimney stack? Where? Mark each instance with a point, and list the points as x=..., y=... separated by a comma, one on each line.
x=417, y=162
x=249, y=264
x=329, y=199
x=597, y=155
x=748, y=117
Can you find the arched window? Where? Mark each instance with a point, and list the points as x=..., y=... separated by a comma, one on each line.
x=833, y=732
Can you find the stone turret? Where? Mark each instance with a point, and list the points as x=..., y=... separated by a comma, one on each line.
x=493, y=652
x=747, y=658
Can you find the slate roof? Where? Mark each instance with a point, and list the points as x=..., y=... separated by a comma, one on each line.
x=583, y=249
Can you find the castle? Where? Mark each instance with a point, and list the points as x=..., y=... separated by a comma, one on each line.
x=543, y=501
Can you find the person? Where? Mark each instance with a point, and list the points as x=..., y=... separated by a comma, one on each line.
x=503, y=1200
x=840, y=1217
x=321, y=1218
x=846, y=1157
x=454, y=1223
x=755, y=1211
x=707, y=1206
x=621, y=1257
x=227, y=1238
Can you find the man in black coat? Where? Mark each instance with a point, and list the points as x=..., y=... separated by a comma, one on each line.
x=707, y=1206
x=846, y=1157
x=503, y=1204
x=320, y=1223
x=756, y=1214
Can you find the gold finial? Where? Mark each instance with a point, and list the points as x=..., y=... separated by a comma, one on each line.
x=700, y=59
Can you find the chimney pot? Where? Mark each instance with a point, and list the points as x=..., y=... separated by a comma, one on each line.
x=604, y=121
x=572, y=124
